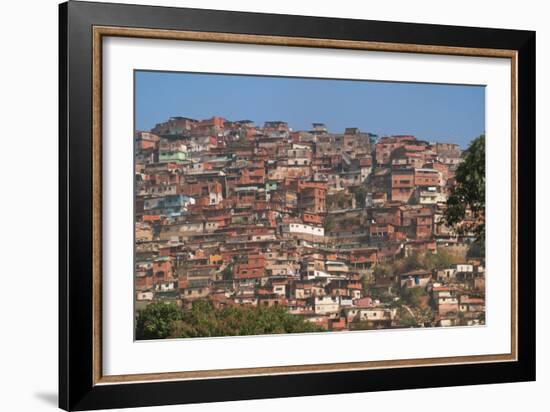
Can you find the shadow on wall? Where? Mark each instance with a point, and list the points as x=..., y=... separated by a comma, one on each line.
x=49, y=398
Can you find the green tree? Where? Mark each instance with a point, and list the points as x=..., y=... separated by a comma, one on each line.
x=203, y=320
x=405, y=319
x=156, y=321
x=412, y=262
x=469, y=192
x=411, y=296
x=329, y=223
x=426, y=316
x=440, y=260
x=382, y=270
x=227, y=272
x=360, y=193
x=476, y=249
x=338, y=200
x=365, y=283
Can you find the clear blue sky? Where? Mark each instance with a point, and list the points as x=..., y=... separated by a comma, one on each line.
x=446, y=113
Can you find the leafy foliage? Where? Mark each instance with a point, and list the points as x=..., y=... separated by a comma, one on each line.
x=428, y=261
x=405, y=319
x=476, y=249
x=365, y=282
x=468, y=195
x=411, y=296
x=425, y=316
x=227, y=272
x=360, y=193
x=382, y=270
x=338, y=200
x=203, y=320
x=440, y=260
x=156, y=321
x=329, y=223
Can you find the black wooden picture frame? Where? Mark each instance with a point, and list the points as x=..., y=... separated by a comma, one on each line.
x=78, y=389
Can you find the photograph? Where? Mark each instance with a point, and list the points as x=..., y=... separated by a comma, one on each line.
x=279, y=205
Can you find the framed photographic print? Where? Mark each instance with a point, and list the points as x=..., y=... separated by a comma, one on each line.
x=257, y=205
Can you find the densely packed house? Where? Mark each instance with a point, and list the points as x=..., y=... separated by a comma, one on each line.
x=239, y=214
